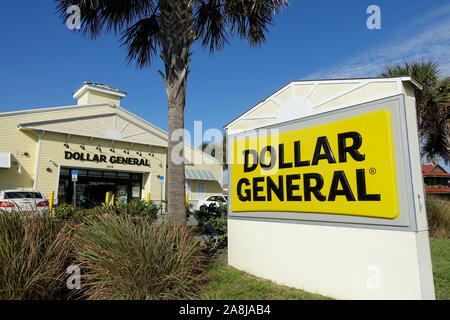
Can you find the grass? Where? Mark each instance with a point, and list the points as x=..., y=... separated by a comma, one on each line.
x=33, y=257
x=440, y=256
x=438, y=213
x=123, y=258
x=228, y=283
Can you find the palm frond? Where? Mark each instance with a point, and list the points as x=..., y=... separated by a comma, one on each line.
x=432, y=105
x=436, y=123
x=426, y=72
x=442, y=89
x=142, y=41
x=437, y=143
x=104, y=16
x=250, y=18
x=210, y=25
x=144, y=24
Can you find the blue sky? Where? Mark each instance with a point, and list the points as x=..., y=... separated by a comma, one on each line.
x=42, y=62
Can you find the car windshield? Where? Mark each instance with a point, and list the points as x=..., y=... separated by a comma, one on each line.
x=23, y=195
x=216, y=199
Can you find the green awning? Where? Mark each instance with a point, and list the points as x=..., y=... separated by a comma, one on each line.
x=202, y=175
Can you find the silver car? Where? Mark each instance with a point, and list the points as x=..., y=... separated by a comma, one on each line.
x=23, y=201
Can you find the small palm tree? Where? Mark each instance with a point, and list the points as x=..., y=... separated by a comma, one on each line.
x=170, y=27
x=432, y=106
x=218, y=151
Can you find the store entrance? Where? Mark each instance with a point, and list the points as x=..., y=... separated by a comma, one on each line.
x=96, y=191
x=93, y=185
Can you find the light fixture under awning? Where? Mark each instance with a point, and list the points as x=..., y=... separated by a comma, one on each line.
x=203, y=175
x=5, y=160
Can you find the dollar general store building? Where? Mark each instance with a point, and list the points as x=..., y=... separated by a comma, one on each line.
x=112, y=149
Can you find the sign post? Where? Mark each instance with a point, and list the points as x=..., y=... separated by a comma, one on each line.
x=74, y=180
x=161, y=181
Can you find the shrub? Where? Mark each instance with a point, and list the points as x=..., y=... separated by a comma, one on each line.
x=207, y=212
x=219, y=224
x=202, y=216
x=438, y=213
x=133, y=208
x=125, y=258
x=137, y=209
x=34, y=252
x=212, y=220
x=64, y=211
x=189, y=207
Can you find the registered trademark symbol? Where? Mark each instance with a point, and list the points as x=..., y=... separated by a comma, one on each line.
x=372, y=171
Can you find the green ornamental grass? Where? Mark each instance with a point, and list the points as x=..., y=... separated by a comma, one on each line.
x=438, y=213
x=122, y=257
x=34, y=255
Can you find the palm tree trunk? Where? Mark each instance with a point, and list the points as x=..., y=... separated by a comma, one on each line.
x=177, y=37
x=175, y=171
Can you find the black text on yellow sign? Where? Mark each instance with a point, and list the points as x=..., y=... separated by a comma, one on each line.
x=343, y=167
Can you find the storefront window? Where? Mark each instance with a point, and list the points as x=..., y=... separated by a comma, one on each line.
x=82, y=173
x=123, y=175
x=92, y=186
x=95, y=173
x=110, y=174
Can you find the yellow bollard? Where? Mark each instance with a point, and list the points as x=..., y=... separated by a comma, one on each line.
x=148, y=197
x=50, y=202
x=187, y=198
x=112, y=199
x=107, y=198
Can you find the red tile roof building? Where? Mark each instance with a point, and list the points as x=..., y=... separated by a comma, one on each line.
x=436, y=181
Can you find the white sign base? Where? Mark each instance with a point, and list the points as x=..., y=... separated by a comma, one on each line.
x=339, y=262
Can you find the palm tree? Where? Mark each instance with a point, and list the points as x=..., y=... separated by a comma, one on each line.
x=170, y=27
x=218, y=151
x=432, y=106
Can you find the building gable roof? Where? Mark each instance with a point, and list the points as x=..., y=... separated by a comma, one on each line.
x=434, y=170
x=111, y=126
x=302, y=98
x=117, y=124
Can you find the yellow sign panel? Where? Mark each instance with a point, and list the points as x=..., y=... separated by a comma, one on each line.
x=345, y=167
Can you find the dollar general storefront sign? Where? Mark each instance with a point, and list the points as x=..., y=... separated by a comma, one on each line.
x=346, y=167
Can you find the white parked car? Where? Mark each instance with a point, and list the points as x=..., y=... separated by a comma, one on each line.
x=23, y=201
x=217, y=199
